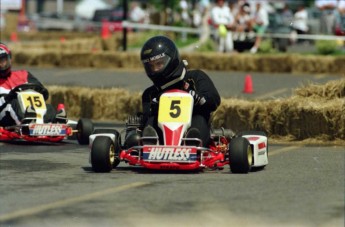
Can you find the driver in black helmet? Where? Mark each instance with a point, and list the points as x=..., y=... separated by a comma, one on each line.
x=10, y=112
x=165, y=68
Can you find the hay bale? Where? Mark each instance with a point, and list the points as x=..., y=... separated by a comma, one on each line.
x=297, y=118
x=330, y=90
x=241, y=115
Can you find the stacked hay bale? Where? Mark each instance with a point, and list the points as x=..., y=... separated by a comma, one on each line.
x=315, y=111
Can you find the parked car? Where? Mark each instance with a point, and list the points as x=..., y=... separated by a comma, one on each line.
x=55, y=21
x=113, y=17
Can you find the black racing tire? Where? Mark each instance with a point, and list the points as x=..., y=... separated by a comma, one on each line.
x=108, y=130
x=102, y=154
x=85, y=129
x=240, y=155
x=117, y=143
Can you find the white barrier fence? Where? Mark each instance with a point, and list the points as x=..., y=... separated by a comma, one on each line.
x=203, y=31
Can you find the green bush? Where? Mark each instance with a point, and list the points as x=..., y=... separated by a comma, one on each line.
x=326, y=47
x=208, y=46
x=266, y=46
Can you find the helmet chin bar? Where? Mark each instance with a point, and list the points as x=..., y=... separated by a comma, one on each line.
x=175, y=80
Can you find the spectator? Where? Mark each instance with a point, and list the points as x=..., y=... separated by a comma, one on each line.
x=224, y=22
x=260, y=23
x=197, y=16
x=287, y=15
x=300, y=23
x=137, y=14
x=242, y=21
x=183, y=5
x=327, y=19
x=340, y=18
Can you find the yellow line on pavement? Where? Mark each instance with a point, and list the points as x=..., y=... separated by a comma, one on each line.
x=272, y=94
x=66, y=202
x=282, y=150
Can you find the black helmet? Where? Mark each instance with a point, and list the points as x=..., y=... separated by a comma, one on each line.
x=162, y=61
x=5, y=61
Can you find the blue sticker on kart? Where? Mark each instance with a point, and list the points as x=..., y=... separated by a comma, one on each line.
x=47, y=130
x=169, y=154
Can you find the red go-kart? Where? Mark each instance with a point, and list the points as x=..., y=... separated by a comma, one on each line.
x=241, y=151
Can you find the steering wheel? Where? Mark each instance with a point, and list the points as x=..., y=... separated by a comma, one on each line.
x=36, y=87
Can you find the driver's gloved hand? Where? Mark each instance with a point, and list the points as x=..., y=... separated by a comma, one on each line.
x=198, y=100
x=45, y=93
x=154, y=106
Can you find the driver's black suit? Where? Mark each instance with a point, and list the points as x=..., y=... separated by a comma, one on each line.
x=196, y=81
x=10, y=113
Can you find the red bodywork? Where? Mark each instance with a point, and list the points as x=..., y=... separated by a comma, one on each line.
x=7, y=135
x=212, y=157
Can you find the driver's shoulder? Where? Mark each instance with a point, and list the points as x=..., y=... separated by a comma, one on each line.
x=195, y=74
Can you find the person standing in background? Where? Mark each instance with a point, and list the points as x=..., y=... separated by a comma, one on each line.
x=260, y=22
x=340, y=18
x=300, y=22
x=223, y=20
x=327, y=19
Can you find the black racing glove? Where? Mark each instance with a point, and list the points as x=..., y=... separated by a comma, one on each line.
x=198, y=100
x=154, y=105
x=10, y=96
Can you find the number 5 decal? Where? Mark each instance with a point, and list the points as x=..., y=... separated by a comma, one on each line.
x=175, y=108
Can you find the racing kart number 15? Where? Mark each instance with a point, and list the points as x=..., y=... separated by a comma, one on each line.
x=32, y=99
x=175, y=108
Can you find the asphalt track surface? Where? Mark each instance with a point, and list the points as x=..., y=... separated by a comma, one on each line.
x=54, y=185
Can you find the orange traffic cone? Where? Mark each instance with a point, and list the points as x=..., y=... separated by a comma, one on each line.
x=14, y=37
x=105, y=30
x=248, y=85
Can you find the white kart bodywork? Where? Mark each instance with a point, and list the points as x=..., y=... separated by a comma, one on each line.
x=259, y=145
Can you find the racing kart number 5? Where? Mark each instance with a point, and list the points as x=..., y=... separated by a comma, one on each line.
x=175, y=108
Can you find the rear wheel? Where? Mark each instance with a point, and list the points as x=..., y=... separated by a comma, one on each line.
x=102, y=154
x=240, y=155
x=85, y=129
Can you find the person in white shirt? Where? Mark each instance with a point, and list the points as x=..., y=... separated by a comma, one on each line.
x=137, y=14
x=327, y=19
x=300, y=22
x=223, y=20
x=260, y=22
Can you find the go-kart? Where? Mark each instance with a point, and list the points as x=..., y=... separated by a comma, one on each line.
x=36, y=130
x=241, y=151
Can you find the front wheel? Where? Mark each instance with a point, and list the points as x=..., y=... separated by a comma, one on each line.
x=102, y=154
x=85, y=129
x=241, y=155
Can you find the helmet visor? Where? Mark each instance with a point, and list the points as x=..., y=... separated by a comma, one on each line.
x=156, y=64
x=5, y=61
